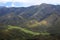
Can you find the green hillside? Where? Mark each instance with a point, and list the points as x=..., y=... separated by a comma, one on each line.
x=23, y=29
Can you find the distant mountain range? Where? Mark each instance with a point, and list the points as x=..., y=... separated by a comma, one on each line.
x=25, y=16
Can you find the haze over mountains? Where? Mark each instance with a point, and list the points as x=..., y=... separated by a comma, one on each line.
x=44, y=14
x=11, y=4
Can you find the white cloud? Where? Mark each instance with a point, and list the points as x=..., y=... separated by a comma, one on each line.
x=23, y=1
x=4, y=1
x=14, y=0
x=32, y=2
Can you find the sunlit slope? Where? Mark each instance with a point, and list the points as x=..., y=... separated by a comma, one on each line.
x=23, y=29
x=35, y=23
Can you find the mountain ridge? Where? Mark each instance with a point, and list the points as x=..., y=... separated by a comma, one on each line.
x=22, y=15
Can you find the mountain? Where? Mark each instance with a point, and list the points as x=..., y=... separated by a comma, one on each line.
x=35, y=18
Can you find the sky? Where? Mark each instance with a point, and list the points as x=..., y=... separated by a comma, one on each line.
x=26, y=3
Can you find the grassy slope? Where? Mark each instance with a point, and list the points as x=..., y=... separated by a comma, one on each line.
x=27, y=31
x=23, y=29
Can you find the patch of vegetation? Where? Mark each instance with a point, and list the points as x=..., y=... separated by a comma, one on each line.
x=23, y=29
x=18, y=33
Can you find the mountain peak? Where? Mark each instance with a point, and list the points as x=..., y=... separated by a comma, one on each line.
x=43, y=4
